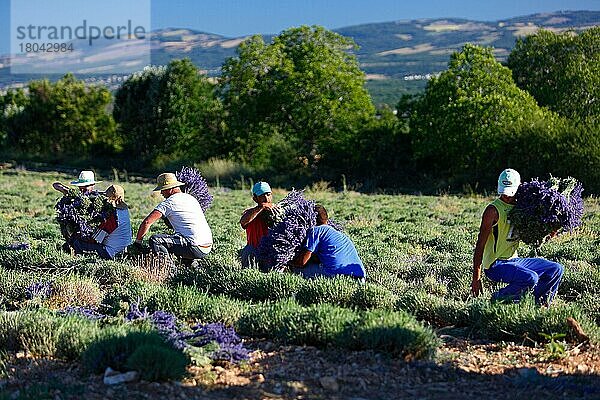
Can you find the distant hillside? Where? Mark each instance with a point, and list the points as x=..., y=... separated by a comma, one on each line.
x=397, y=56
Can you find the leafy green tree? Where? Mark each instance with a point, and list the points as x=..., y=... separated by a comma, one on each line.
x=65, y=118
x=166, y=113
x=465, y=124
x=561, y=70
x=12, y=104
x=299, y=99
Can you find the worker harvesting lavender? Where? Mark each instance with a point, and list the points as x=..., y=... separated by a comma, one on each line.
x=497, y=243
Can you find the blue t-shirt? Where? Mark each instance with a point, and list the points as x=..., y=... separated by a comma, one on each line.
x=335, y=250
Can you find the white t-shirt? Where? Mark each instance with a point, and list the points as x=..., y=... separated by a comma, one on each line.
x=120, y=238
x=185, y=215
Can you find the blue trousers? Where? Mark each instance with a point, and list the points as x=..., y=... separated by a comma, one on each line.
x=525, y=274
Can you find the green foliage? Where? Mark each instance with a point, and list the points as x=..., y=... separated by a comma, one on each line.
x=46, y=334
x=65, y=118
x=158, y=363
x=473, y=121
x=396, y=333
x=338, y=291
x=168, y=112
x=561, y=70
x=296, y=102
x=115, y=347
x=391, y=332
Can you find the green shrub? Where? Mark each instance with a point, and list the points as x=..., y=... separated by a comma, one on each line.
x=433, y=309
x=263, y=320
x=590, y=306
x=190, y=302
x=527, y=320
x=46, y=334
x=13, y=285
x=158, y=363
x=395, y=333
x=75, y=291
x=137, y=291
x=580, y=278
x=369, y=296
x=114, y=347
x=318, y=325
x=338, y=291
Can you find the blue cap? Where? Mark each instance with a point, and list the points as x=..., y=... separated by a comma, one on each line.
x=260, y=188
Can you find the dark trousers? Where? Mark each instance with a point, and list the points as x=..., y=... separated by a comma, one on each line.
x=81, y=247
x=175, y=244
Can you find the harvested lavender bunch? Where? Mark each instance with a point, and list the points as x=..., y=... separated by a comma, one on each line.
x=166, y=324
x=40, y=290
x=18, y=246
x=544, y=207
x=231, y=348
x=79, y=214
x=284, y=240
x=195, y=185
x=135, y=313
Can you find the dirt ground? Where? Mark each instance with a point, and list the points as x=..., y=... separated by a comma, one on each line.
x=463, y=369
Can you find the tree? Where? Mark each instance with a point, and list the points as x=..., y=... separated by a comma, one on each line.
x=168, y=112
x=300, y=99
x=561, y=70
x=65, y=118
x=465, y=124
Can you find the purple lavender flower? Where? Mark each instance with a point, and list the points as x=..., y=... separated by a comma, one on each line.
x=18, y=246
x=40, y=290
x=230, y=344
x=543, y=207
x=166, y=324
x=86, y=312
x=284, y=240
x=195, y=185
x=135, y=313
x=79, y=214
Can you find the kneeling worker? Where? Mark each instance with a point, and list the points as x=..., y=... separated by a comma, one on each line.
x=335, y=251
x=192, y=238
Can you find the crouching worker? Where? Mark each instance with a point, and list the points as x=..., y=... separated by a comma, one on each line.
x=254, y=221
x=192, y=238
x=114, y=234
x=496, y=251
x=334, y=251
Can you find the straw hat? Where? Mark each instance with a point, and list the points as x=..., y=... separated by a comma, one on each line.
x=167, y=181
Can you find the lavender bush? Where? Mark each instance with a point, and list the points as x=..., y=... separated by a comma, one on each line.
x=41, y=290
x=195, y=185
x=543, y=207
x=79, y=214
x=285, y=237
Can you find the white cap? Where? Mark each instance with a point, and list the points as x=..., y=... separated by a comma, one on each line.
x=508, y=182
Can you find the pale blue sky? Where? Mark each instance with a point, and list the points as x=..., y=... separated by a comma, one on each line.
x=242, y=17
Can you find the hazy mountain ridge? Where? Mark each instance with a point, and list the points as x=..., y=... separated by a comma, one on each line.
x=401, y=50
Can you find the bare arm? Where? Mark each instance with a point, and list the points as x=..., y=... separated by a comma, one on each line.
x=146, y=223
x=60, y=187
x=251, y=213
x=301, y=259
x=488, y=220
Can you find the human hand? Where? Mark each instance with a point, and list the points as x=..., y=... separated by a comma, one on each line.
x=266, y=206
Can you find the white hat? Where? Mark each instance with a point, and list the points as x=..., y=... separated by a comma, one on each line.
x=508, y=182
x=86, y=178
